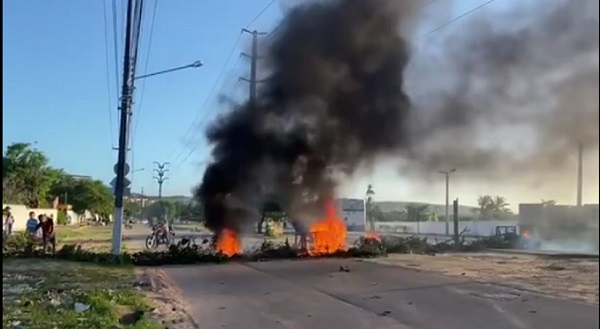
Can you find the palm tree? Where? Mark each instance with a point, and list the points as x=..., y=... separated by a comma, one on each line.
x=370, y=193
x=500, y=208
x=486, y=207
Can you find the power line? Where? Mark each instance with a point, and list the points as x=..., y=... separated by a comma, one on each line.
x=260, y=13
x=115, y=45
x=142, y=88
x=202, y=123
x=212, y=89
x=206, y=99
x=108, y=88
x=467, y=13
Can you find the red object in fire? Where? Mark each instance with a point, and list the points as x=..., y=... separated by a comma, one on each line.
x=525, y=234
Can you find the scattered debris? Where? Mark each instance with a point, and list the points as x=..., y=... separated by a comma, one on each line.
x=81, y=307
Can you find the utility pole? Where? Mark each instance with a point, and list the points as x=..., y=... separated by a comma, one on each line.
x=447, y=173
x=579, y=174
x=253, y=65
x=252, y=91
x=456, y=222
x=132, y=30
x=161, y=171
x=142, y=204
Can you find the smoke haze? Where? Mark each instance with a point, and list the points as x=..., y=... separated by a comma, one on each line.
x=513, y=95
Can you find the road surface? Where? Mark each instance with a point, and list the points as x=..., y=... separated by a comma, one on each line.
x=317, y=294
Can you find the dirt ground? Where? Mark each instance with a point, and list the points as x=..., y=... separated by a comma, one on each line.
x=568, y=277
x=57, y=294
x=166, y=300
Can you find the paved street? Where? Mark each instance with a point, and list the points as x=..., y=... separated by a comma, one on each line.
x=316, y=294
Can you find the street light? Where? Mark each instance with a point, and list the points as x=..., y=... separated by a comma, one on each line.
x=195, y=65
x=447, y=173
x=126, y=104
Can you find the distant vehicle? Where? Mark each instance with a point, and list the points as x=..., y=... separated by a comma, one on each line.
x=513, y=239
x=157, y=236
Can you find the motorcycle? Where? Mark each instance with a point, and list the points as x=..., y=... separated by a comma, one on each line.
x=157, y=236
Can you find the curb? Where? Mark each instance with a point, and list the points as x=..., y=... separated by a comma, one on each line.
x=552, y=254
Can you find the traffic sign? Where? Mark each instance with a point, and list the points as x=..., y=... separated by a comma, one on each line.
x=116, y=169
x=126, y=183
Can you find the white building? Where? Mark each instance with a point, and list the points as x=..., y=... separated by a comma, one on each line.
x=352, y=211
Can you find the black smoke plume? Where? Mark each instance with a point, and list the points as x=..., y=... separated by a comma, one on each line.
x=333, y=101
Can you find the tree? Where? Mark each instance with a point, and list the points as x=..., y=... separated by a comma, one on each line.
x=131, y=208
x=500, y=207
x=492, y=207
x=417, y=213
x=85, y=194
x=26, y=176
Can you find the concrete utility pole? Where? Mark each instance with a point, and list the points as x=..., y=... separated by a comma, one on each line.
x=456, y=222
x=579, y=174
x=160, y=170
x=142, y=204
x=252, y=91
x=132, y=31
x=253, y=64
x=447, y=173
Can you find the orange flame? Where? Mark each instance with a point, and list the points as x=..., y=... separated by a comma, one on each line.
x=228, y=243
x=373, y=236
x=328, y=233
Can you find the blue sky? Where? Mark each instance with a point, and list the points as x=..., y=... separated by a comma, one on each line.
x=56, y=91
x=59, y=92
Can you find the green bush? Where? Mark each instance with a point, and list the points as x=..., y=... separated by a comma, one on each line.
x=19, y=246
x=61, y=218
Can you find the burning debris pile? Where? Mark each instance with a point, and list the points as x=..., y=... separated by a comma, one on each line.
x=332, y=102
x=335, y=100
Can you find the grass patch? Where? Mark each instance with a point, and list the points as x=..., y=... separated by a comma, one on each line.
x=73, y=233
x=57, y=294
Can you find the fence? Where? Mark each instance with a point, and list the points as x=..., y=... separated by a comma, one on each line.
x=472, y=228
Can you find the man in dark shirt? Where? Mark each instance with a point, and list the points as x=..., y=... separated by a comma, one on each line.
x=47, y=226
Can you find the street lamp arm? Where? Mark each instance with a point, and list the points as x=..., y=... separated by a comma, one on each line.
x=195, y=64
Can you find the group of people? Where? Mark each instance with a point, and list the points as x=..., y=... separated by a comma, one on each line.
x=36, y=227
x=42, y=223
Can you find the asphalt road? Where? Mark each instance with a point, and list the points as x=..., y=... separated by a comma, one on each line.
x=316, y=294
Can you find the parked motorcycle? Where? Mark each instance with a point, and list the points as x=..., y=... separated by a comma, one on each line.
x=158, y=236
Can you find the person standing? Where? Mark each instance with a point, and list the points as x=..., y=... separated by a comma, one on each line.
x=48, y=234
x=9, y=220
x=32, y=225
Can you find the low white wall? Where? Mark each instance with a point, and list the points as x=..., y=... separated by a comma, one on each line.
x=477, y=228
x=21, y=214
